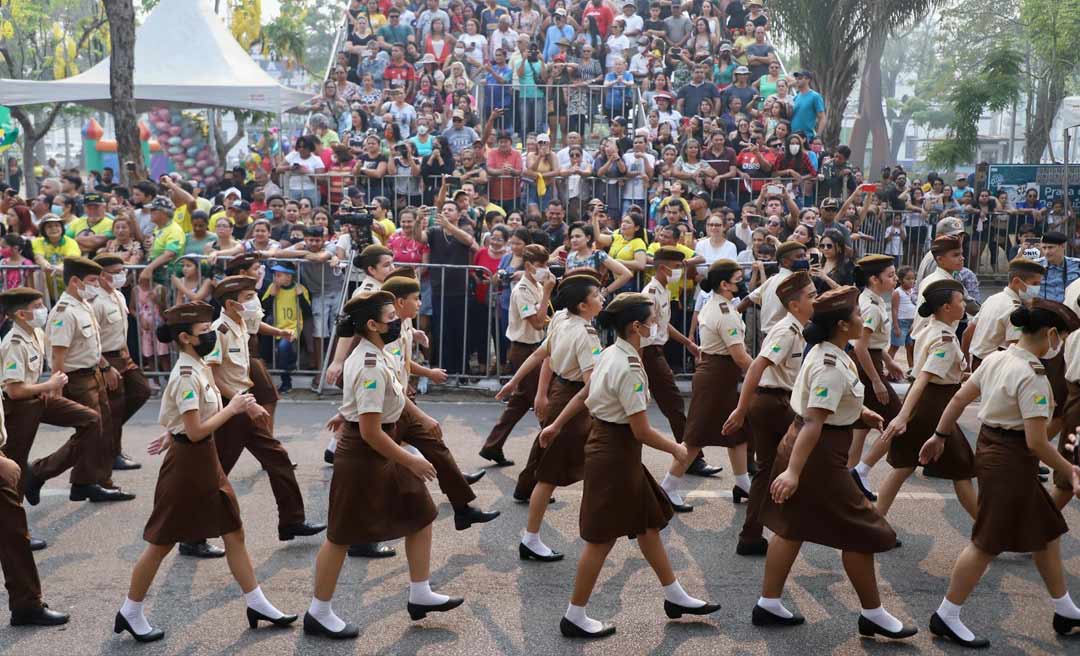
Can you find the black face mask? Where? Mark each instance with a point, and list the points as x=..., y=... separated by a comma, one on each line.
x=800, y=265
x=740, y=289
x=207, y=342
x=393, y=332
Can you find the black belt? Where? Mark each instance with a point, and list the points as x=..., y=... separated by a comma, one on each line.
x=1007, y=432
x=779, y=391
x=567, y=381
x=181, y=438
x=114, y=354
x=525, y=345
x=86, y=371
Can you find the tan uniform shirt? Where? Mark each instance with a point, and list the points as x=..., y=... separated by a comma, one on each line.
x=368, y=284
x=661, y=299
x=399, y=352
x=618, y=387
x=524, y=303
x=721, y=326
x=829, y=381
x=876, y=317
x=72, y=324
x=1014, y=387
x=921, y=321
x=231, y=354
x=111, y=312
x=573, y=346
x=190, y=387
x=3, y=427
x=783, y=347
x=23, y=355
x=772, y=310
x=1072, y=357
x=992, y=328
x=371, y=385
x=938, y=352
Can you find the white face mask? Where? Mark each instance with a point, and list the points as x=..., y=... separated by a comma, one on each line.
x=90, y=292
x=252, y=324
x=1031, y=292
x=119, y=280
x=251, y=310
x=41, y=315
x=676, y=275
x=1053, y=349
x=422, y=129
x=793, y=149
x=540, y=275
x=654, y=330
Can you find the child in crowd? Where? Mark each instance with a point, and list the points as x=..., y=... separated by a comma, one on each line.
x=904, y=299
x=287, y=304
x=193, y=282
x=149, y=304
x=12, y=253
x=894, y=238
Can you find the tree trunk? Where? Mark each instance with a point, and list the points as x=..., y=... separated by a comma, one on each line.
x=121, y=14
x=836, y=67
x=1048, y=100
x=223, y=146
x=872, y=92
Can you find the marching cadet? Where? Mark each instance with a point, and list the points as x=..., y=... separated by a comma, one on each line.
x=620, y=497
x=378, y=489
x=74, y=341
x=714, y=394
x=938, y=367
x=948, y=255
x=228, y=363
x=1015, y=512
x=877, y=275
x=193, y=499
x=573, y=347
x=812, y=497
x=791, y=256
x=993, y=331
x=525, y=330
x=1063, y=492
x=765, y=399
x=111, y=312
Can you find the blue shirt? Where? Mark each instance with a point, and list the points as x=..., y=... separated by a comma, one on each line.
x=499, y=94
x=616, y=95
x=551, y=39
x=808, y=104
x=1058, y=277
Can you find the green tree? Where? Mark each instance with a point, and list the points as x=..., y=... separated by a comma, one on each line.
x=1053, y=31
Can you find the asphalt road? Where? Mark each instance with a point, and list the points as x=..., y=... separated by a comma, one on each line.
x=511, y=607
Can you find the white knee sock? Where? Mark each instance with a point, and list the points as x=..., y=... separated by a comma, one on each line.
x=257, y=601
x=420, y=593
x=882, y=618
x=1066, y=608
x=133, y=613
x=670, y=484
x=863, y=469
x=743, y=481
x=950, y=614
x=674, y=593
x=411, y=449
x=332, y=446
x=324, y=614
x=775, y=606
x=533, y=541
x=576, y=614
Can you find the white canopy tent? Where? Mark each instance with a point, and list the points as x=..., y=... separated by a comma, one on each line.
x=185, y=57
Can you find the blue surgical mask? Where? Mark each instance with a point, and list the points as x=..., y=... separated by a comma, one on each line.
x=57, y=209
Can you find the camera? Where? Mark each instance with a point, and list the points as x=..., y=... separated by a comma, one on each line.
x=359, y=220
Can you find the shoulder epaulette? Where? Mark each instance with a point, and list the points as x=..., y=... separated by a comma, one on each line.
x=61, y=307
x=947, y=336
x=371, y=360
x=186, y=371
x=223, y=329
x=654, y=290
x=590, y=330
x=633, y=359
x=1038, y=369
x=795, y=329
x=725, y=308
x=829, y=360
x=16, y=339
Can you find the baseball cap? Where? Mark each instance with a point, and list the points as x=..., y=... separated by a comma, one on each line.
x=281, y=268
x=241, y=205
x=232, y=191
x=353, y=191
x=162, y=203
x=560, y=12
x=428, y=59
x=804, y=73
x=458, y=114
x=830, y=204
x=543, y=136
x=93, y=198
x=725, y=46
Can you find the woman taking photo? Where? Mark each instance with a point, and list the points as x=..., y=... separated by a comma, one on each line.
x=836, y=266
x=583, y=255
x=193, y=499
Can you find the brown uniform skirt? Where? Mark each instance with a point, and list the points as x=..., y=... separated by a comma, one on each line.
x=620, y=496
x=957, y=461
x=193, y=499
x=1055, y=373
x=1071, y=420
x=888, y=411
x=371, y=498
x=563, y=461
x=827, y=508
x=714, y=394
x=1016, y=512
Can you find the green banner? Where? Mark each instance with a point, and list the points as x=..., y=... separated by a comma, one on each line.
x=9, y=129
x=1047, y=179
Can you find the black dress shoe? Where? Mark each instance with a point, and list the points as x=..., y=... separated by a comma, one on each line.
x=738, y=494
x=31, y=486
x=123, y=463
x=37, y=545
x=313, y=627
x=763, y=617
x=869, y=628
x=328, y=456
x=1064, y=625
x=254, y=617
x=862, y=488
x=702, y=468
x=675, y=611
x=524, y=500
x=571, y=630
x=420, y=611
x=469, y=515
x=120, y=624
x=299, y=529
x=1044, y=470
x=98, y=494
x=939, y=628
x=38, y=617
x=525, y=553
x=759, y=547
x=371, y=550
x=474, y=477
x=678, y=507
x=496, y=456
x=201, y=550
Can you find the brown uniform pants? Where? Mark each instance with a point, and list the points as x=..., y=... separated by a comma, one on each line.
x=240, y=433
x=22, y=419
x=87, y=387
x=663, y=389
x=431, y=446
x=769, y=418
x=20, y=572
x=127, y=398
x=520, y=401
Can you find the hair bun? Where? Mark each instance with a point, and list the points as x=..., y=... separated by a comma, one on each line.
x=163, y=334
x=924, y=310
x=1021, y=317
x=815, y=334
x=605, y=319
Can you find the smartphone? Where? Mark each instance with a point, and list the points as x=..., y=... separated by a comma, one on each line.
x=431, y=217
x=815, y=259
x=268, y=214
x=774, y=190
x=868, y=187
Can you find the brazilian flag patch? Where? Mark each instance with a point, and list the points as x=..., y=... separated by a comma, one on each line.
x=734, y=332
x=940, y=353
x=59, y=323
x=12, y=366
x=596, y=350
x=525, y=308
x=821, y=392
x=638, y=387
x=188, y=395
x=776, y=348
x=1040, y=399
x=370, y=383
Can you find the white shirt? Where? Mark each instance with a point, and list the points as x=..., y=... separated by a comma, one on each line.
x=302, y=181
x=704, y=248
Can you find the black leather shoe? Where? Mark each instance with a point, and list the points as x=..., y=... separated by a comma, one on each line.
x=525, y=500
x=675, y=611
x=472, y=478
x=328, y=458
x=496, y=456
x=738, y=495
x=868, y=629
x=420, y=611
x=468, y=516
x=762, y=617
x=312, y=627
x=371, y=550
x=124, y=463
x=525, y=553
x=98, y=494
x=121, y=624
x=701, y=468
x=37, y=545
x=571, y=630
x=1064, y=625
x=38, y=617
x=759, y=547
x=862, y=488
x=939, y=628
x=678, y=507
x=254, y=617
x=201, y=550
x=31, y=486
x=1044, y=470
x=299, y=530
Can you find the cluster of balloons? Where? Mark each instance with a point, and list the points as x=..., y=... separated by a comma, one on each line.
x=182, y=136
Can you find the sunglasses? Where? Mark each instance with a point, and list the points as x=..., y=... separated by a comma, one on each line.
x=826, y=247
x=714, y=225
x=774, y=224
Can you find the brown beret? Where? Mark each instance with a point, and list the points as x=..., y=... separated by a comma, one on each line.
x=627, y=300
x=669, y=254
x=1067, y=316
x=1023, y=266
x=371, y=254
x=108, y=259
x=946, y=243
x=841, y=298
x=241, y=262
x=872, y=265
x=790, y=287
x=402, y=272
x=80, y=267
x=788, y=247
x=189, y=313
x=401, y=286
x=233, y=285
x=937, y=288
x=18, y=297
x=365, y=300
x=724, y=266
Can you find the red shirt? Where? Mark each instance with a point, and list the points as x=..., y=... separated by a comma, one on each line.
x=747, y=162
x=406, y=249
x=505, y=187
x=399, y=76
x=484, y=259
x=604, y=17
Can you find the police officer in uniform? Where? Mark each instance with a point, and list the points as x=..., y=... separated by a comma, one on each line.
x=1015, y=511
x=111, y=311
x=993, y=331
x=74, y=347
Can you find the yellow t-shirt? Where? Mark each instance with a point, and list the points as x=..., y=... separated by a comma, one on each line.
x=624, y=250
x=182, y=215
x=388, y=226
x=55, y=254
x=169, y=238
x=674, y=287
x=102, y=228
x=287, y=315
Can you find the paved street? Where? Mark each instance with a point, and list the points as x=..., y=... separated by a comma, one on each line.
x=511, y=607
